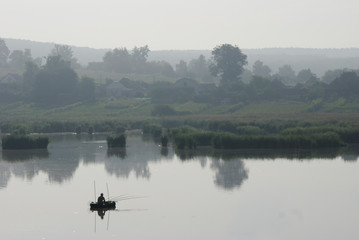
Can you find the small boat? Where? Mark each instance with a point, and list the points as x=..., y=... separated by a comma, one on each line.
x=106, y=205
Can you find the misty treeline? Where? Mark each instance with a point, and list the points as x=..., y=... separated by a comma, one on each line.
x=226, y=78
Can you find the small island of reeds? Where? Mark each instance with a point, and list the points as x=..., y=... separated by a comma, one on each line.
x=118, y=141
x=17, y=141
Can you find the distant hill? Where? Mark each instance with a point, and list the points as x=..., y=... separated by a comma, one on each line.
x=42, y=49
x=318, y=60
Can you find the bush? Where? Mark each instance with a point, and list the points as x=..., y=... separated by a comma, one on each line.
x=152, y=129
x=118, y=141
x=24, y=142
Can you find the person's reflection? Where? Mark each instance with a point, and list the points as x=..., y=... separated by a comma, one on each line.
x=101, y=213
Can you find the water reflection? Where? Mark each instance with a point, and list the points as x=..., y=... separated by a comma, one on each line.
x=164, y=151
x=117, y=152
x=290, y=154
x=229, y=174
x=102, y=212
x=66, y=152
x=138, y=155
x=24, y=155
x=230, y=171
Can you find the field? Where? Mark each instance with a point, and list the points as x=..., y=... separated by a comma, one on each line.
x=135, y=109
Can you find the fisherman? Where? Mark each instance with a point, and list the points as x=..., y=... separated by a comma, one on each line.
x=101, y=199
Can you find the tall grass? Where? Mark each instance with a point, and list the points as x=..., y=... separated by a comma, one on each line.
x=118, y=141
x=24, y=142
x=232, y=141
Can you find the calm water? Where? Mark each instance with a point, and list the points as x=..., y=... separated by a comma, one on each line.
x=191, y=195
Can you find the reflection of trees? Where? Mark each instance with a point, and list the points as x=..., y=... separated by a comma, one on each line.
x=124, y=168
x=65, y=152
x=164, y=151
x=116, y=152
x=139, y=154
x=4, y=174
x=229, y=174
x=24, y=155
x=230, y=171
x=59, y=162
x=298, y=154
x=20, y=163
x=350, y=153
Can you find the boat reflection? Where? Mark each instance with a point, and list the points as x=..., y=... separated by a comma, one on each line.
x=102, y=212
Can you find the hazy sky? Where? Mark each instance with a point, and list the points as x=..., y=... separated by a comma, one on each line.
x=185, y=24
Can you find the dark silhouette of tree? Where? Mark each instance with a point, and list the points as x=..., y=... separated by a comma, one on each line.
x=118, y=60
x=4, y=52
x=286, y=74
x=19, y=58
x=306, y=75
x=347, y=86
x=199, y=69
x=87, y=89
x=228, y=62
x=65, y=53
x=55, y=83
x=261, y=70
x=139, y=58
x=331, y=75
x=182, y=69
x=29, y=77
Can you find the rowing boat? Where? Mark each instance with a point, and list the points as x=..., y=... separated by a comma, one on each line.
x=106, y=205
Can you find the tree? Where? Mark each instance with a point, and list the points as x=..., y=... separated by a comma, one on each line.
x=166, y=69
x=198, y=68
x=18, y=58
x=56, y=83
x=181, y=69
x=118, y=60
x=228, y=62
x=261, y=70
x=331, y=75
x=65, y=53
x=347, y=86
x=139, y=58
x=4, y=52
x=305, y=76
x=87, y=89
x=29, y=77
x=286, y=74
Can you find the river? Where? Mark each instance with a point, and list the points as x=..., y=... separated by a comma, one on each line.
x=163, y=194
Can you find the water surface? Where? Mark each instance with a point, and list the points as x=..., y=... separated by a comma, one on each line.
x=184, y=195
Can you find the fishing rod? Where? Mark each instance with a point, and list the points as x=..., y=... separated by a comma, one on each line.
x=108, y=193
x=116, y=199
x=94, y=185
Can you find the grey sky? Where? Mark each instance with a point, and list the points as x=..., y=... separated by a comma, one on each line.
x=185, y=24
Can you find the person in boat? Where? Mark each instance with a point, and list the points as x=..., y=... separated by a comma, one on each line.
x=101, y=199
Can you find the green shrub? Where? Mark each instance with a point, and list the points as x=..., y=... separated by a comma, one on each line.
x=152, y=129
x=24, y=142
x=118, y=141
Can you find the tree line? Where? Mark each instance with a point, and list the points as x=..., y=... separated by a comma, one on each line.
x=56, y=83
